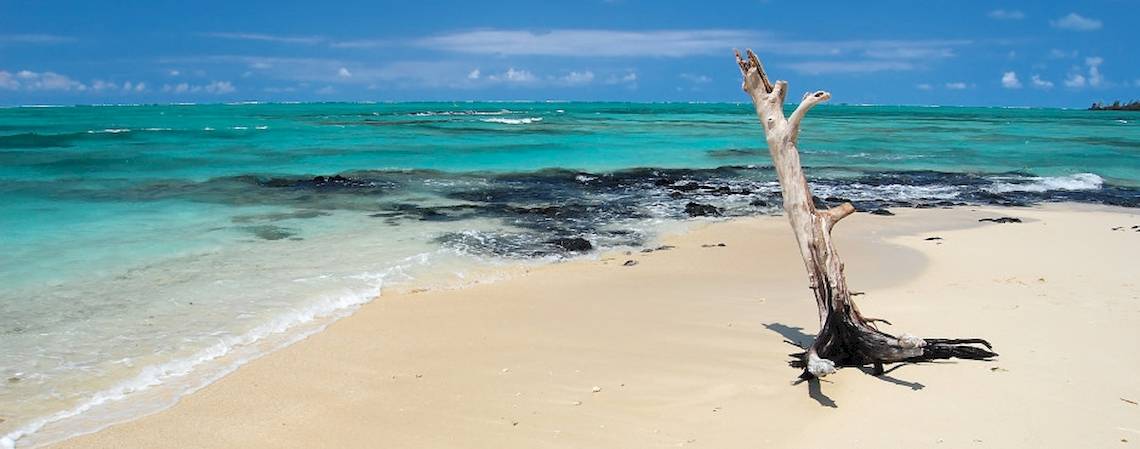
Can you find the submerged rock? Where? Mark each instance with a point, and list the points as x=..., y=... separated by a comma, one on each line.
x=576, y=244
x=1001, y=220
x=318, y=182
x=702, y=210
x=270, y=232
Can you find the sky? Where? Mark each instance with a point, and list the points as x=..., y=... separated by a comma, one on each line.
x=965, y=52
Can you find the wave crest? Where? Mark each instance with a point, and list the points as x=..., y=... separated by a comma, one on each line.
x=1079, y=181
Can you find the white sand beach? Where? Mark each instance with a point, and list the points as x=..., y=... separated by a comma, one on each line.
x=686, y=348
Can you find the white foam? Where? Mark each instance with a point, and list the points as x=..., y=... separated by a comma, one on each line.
x=191, y=373
x=435, y=113
x=156, y=375
x=109, y=131
x=902, y=192
x=513, y=121
x=1079, y=181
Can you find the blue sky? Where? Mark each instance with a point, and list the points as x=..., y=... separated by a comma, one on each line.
x=964, y=52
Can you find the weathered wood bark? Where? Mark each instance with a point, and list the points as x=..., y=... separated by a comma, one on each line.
x=846, y=337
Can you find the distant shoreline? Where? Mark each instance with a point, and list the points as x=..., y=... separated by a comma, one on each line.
x=1116, y=106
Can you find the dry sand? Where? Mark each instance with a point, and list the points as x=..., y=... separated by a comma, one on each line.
x=686, y=348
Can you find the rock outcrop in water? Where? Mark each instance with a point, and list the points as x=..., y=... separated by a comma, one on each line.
x=576, y=244
x=702, y=210
x=1116, y=106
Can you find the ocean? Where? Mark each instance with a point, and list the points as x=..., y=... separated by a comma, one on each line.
x=150, y=249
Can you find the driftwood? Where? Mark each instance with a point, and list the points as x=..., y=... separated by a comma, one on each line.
x=846, y=337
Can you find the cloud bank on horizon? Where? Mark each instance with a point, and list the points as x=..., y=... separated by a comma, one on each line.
x=1011, y=53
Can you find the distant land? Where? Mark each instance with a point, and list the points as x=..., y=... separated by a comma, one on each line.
x=1116, y=106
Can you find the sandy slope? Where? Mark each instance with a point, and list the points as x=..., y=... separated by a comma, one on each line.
x=687, y=348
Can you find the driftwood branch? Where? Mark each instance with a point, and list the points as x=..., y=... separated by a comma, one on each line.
x=846, y=337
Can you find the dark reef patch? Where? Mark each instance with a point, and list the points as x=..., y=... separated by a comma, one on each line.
x=575, y=244
x=35, y=140
x=270, y=232
x=702, y=210
x=530, y=210
x=738, y=152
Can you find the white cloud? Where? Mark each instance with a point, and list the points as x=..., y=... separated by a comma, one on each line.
x=326, y=90
x=34, y=39
x=219, y=87
x=630, y=78
x=473, y=75
x=1009, y=81
x=304, y=40
x=111, y=86
x=174, y=72
x=216, y=87
x=1095, y=77
x=876, y=49
x=363, y=43
x=27, y=80
x=923, y=86
x=1076, y=22
x=577, y=78
x=513, y=75
x=8, y=82
x=695, y=79
x=1001, y=14
x=583, y=42
x=344, y=73
x=100, y=85
x=1040, y=83
x=958, y=85
x=1075, y=80
x=679, y=43
x=1061, y=54
x=828, y=67
x=904, y=52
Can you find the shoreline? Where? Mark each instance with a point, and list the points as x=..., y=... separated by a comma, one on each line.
x=878, y=251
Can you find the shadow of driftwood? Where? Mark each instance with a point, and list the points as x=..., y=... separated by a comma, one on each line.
x=796, y=336
x=815, y=392
x=793, y=334
x=885, y=377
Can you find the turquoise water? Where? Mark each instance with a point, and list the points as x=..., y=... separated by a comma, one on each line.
x=149, y=249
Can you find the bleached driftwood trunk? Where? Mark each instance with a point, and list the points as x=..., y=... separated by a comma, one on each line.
x=846, y=337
